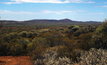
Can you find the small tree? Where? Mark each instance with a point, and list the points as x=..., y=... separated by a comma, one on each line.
x=102, y=29
x=100, y=38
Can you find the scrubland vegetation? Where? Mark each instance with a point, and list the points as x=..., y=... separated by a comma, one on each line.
x=82, y=44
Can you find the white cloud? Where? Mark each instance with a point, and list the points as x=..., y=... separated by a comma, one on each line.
x=41, y=12
x=56, y=12
x=105, y=2
x=45, y=12
x=75, y=1
x=90, y=2
x=61, y=12
x=96, y=13
x=11, y=2
x=105, y=6
x=35, y=1
x=47, y=1
x=80, y=1
x=80, y=11
x=11, y=12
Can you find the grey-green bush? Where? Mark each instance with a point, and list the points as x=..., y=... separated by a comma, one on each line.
x=94, y=57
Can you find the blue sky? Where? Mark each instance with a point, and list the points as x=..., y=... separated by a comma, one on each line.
x=79, y=10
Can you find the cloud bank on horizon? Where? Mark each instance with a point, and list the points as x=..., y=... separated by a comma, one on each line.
x=82, y=10
x=47, y=1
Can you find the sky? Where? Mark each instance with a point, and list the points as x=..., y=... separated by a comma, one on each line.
x=78, y=10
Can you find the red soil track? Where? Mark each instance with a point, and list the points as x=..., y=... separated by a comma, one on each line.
x=19, y=60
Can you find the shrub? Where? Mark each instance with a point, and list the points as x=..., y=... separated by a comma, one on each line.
x=44, y=30
x=85, y=41
x=64, y=51
x=37, y=47
x=3, y=48
x=91, y=57
x=39, y=41
x=15, y=50
x=100, y=38
x=37, y=53
x=99, y=41
x=51, y=38
x=75, y=29
x=84, y=30
x=70, y=27
x=23, y=34
x=102, y=29
x=7, y=38
x=24, y=41
x=49, y=58
x=15, y=47
x=94, y=57
x=31, y=34
x=77, y=33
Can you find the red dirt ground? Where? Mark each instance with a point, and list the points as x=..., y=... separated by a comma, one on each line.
x=19, y=60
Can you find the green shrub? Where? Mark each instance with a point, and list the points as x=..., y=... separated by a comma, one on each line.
x=100, y=38
x=51, y=37
x=99, y=41
x=37, y=53
x=15, y=50
x=36, y=42
x=69, y=52
x=102, y=29
x=85, y=41
x=7, y=38
x=31, y=34
x=12, y=48
x=84, y=30
x=44, y=30
x=70, y=27
x=15, y=47
x=37, y=47
x=24, y=41
x=39, y=40
x=3, y=48
x=77, y=33
x=23, y=34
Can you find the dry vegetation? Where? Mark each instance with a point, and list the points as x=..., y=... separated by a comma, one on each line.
x=86, y=45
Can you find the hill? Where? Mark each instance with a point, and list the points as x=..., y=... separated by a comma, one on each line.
x=48, y=22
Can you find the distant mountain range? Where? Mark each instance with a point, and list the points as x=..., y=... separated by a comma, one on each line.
x=45, y=21
x=48, y=20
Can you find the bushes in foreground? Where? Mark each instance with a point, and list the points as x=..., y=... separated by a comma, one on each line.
x=91, y=57
x=100, y=36
x=50, y=58
x=94, y=57
x=69, y=52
